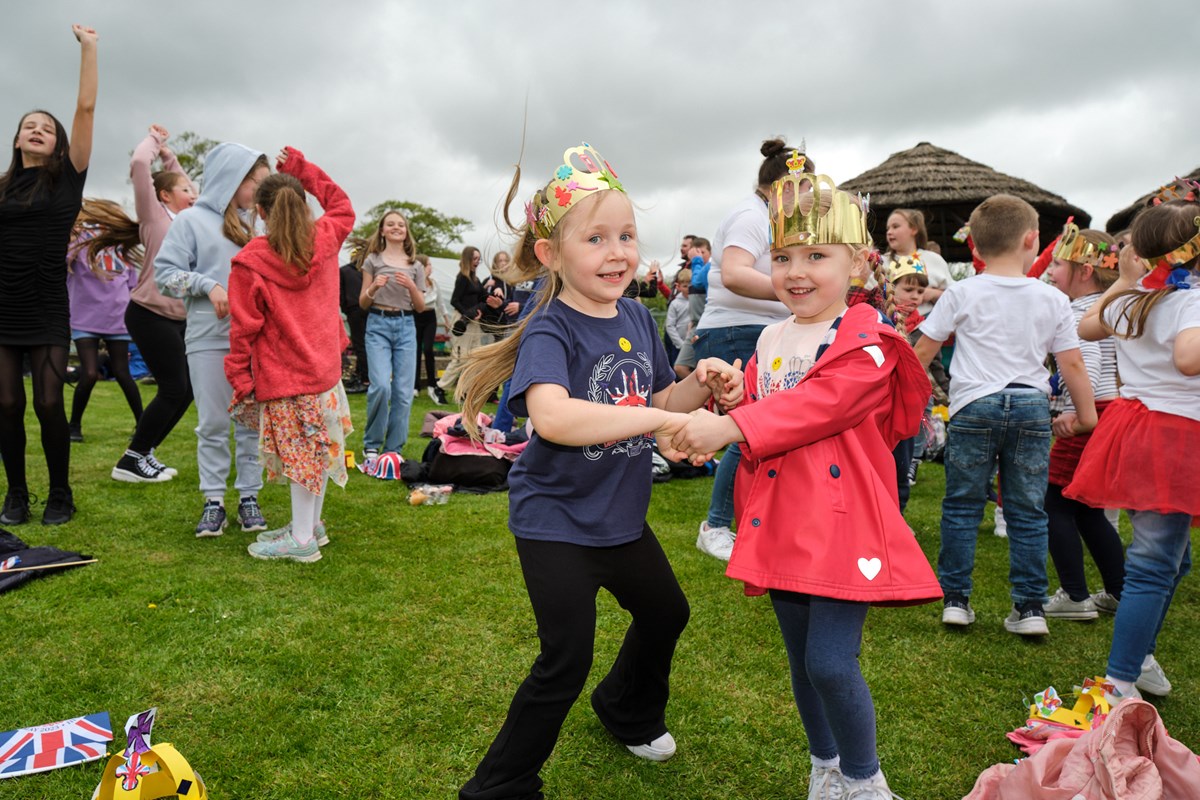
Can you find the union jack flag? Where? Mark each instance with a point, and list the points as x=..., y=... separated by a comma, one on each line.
x=59, y=744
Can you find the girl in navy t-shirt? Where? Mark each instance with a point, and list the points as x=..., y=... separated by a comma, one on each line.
x=589, y=370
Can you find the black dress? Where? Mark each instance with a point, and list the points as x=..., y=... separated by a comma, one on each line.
x=33, y=258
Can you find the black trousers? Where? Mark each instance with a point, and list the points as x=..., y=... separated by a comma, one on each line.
x=1070, y=521
x=563, y=581
x=356, y=318
x=426, y=322
x=160, y=340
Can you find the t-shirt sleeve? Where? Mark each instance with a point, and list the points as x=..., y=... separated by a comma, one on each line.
x=940, y=322
x=1066, y=335
x=541, y=358
x=1189, y=314
x=748, y=229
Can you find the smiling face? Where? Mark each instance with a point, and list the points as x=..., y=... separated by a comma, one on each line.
x=393, y=228
x=597, y=255
x=181, y=195
x=37, y=138
x=812, y=281
x=1064, y=277
x=901, y=235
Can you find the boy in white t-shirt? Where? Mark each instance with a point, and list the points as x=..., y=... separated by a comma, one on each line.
x=1005, y=324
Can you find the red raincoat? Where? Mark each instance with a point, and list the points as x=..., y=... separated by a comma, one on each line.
x=815, y=494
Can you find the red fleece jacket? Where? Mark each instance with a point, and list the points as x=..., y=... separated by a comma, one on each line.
x=286, y=336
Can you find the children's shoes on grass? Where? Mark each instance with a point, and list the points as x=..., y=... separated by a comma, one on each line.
x=826, y=781
x=1153, y=679
x=319, y=534
x=286, y=549
x=212, y=520
x=1027, y=619
x=660, y=749
x=956, y=610
x=1061, y=606
x=250, y=515
x=715, y=541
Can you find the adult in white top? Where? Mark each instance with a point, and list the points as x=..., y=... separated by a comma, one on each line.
x=906, y=234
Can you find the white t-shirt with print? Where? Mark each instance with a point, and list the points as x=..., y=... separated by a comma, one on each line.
x=786, y=352
x=1147, y=364
x=747, y=227
x=1004, y=329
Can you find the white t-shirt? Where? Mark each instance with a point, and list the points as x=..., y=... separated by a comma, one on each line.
x=1004, y=328
x=786, y=352
x=1147, y=363
x=747, y=227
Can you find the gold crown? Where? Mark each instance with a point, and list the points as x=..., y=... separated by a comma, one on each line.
x=798, y=219
x=1074, y=247
x=903, y=266
x=582, y=173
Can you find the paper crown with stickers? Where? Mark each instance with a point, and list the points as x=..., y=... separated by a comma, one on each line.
x=808, y=209
x=1074, y=247
x=582, y=173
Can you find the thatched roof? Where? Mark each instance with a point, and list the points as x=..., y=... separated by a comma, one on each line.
x=947, y=187
x=1124, y=218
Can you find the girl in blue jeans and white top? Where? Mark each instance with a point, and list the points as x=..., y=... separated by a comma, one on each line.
x=391, y=297
x=590, y=370
x=1141, y=456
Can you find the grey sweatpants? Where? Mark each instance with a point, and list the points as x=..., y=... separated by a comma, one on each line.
x=213, y=396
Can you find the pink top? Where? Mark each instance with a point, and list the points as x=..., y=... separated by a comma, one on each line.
x=153, y=221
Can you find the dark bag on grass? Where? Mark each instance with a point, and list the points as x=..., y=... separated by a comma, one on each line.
x=479, y=472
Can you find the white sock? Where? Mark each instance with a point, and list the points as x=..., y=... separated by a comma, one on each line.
x=826, y=763
x=875, y=780
x=1124, y=687
x=304, y=504
x=320, y=501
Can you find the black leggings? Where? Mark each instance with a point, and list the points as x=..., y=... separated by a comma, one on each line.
x=1070, y=521
x=160, y=341
x=89, y=372
x=49, y=368
x=426, y=322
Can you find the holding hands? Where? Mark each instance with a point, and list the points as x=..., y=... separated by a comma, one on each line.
x=697, y=436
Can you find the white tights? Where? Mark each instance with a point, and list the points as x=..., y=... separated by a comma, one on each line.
x=306, y=512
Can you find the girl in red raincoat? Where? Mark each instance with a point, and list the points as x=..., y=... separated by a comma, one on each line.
x=830, y=391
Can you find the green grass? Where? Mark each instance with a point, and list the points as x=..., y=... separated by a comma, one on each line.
x=386, y=669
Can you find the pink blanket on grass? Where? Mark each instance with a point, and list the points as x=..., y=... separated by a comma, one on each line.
x=463, y=446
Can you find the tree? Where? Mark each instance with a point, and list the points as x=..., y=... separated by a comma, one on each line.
x=434, y=232
x=191, y=149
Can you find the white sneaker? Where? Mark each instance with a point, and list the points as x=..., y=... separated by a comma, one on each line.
x=1061, y=606
x=1103, y=601
x=1153, y=680
x=1001, y=527
x=957, y=611
x=872, y=788
x=826, y=783
x=660, y=749
x=1115, y=699
x=716, y=542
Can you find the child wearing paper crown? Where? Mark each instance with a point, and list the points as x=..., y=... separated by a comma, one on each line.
x=830, y=391
x=1083, y=265
x=589, y=370
x=1142, y=455
x=286, y=340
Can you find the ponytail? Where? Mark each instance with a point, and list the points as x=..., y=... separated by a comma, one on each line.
x=289, y=224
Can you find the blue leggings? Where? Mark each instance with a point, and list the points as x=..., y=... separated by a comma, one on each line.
x=823, y=638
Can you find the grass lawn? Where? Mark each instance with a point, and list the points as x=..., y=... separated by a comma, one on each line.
x=385, y=669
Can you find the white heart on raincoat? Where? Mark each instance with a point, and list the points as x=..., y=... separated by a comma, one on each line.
x=869, y=567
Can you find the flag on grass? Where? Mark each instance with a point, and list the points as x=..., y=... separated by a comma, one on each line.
x=60, y=744
x=20, y=563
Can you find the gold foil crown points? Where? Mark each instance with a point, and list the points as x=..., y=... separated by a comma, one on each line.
x=1074, y=247
x=797, y=216
x=582, y=173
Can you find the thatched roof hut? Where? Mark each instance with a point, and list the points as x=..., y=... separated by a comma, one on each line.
x=1124, y=218
x=947, y=187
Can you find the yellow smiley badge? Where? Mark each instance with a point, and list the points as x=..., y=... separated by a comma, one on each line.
x=624, y=343
x=776, y=364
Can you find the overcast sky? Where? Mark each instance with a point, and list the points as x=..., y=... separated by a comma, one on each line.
x=424, y=101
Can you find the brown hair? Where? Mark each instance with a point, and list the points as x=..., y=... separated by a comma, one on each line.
x=51, y=170
x=115, y=230
x=289, y=223
x=466, y=266
x=916, y=221
x=700, y=241
x=776, y=153
x=166, y=180
x=1157, y=230
x=999, y=223
x=234, y=227
x=1104, y=277
x=421, y=257
x=378, y=244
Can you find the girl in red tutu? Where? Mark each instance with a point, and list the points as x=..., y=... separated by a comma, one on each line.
x=1139, y=457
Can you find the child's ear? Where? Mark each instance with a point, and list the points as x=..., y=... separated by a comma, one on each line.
x=1031, y=239
x=544, y=252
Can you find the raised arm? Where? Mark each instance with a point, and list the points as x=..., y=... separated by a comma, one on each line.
x=339, y=213
x=85, y=106
x=141, y=173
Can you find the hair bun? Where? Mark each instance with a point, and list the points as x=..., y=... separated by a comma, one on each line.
x=772, y=147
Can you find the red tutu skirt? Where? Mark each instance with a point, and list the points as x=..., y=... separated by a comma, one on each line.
x=1140, y=460
x=1064, y=456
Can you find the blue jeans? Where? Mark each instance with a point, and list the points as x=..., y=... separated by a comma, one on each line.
x=823, y=638
x=1013, y=425
x=503, y=421
x=392, y=365
x=1155, y=563
x=726, y=344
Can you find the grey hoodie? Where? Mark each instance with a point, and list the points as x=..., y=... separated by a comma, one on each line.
x=195, y=254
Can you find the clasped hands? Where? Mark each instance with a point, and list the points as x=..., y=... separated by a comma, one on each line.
x=700, y=434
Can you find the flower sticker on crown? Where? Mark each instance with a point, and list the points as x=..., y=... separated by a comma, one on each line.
x=563, y=172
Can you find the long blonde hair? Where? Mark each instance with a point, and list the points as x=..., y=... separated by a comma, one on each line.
x=236, y=229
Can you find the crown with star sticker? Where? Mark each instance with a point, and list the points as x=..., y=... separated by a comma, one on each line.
x=582, y=173
x=808, y=209
x=1075, y=245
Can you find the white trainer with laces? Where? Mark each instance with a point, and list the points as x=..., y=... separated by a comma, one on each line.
x=715, y=541
x=1153, y=679
x=1061, y=606
x=660, y=749
x=826, y=783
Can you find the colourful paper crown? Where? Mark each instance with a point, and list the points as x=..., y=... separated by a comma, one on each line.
x=1182, y=254
x=798, y=219
x=1074, y=247
x=1181, y=189
x=1091, y=703
x=902, y=266
x=582, y=173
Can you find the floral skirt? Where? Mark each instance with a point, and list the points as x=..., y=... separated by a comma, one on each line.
x=302, y=438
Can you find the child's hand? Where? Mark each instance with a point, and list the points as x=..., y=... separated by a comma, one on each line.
x=282, y=159
x=723, y=380
x=705, y=434
x=160, y=134
x=664, y=436
x=1064, y=425
x=85, y=35
x=220, y=301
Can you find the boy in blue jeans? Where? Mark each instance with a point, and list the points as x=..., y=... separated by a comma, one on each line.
x=1005, y=324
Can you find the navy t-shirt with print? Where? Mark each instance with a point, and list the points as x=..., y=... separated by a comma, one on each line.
x=596, y=495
